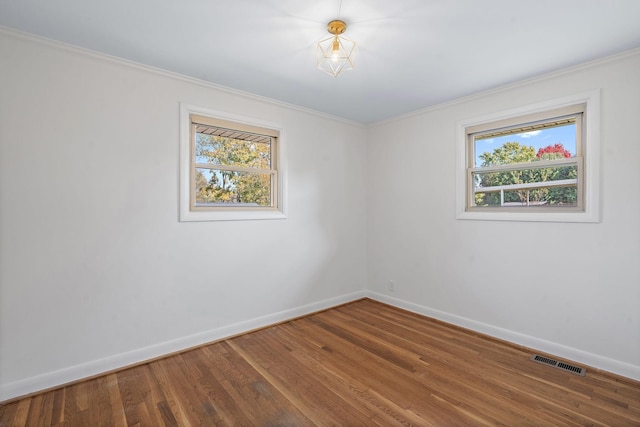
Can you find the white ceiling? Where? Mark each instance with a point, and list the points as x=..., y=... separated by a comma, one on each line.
x=412, y=54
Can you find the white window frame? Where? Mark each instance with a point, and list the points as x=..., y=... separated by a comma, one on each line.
x=187, y=165
x=590, y=151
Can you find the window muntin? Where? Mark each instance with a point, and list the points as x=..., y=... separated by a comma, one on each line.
x=231, y=167
x=532, y=162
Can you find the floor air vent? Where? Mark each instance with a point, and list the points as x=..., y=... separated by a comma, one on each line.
x=559, y=365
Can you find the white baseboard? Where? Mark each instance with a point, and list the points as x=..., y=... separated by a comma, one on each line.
x=593, y=360
x=96, y=367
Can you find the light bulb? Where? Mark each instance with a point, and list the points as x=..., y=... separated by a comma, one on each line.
x=335, y=50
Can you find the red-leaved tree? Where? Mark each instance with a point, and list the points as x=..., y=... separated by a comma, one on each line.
x=556, y=195
x=553, y=152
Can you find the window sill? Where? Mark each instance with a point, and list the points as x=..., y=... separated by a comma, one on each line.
x=530, y=216
x=230, y=215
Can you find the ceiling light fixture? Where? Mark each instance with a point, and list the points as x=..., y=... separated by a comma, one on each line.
x=335, y=53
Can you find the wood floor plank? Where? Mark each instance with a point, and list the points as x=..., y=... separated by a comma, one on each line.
x=36, y=416
x=459, y=393
x=250, y=389
x=75, y=411
x=312, y=398
x=342, y=382
x=376, y=373
x=352, y=379
x=503, y=361
x=170, y=377
x=194, y=406
x=455, y=389
x=364, y=363
x=118, y=416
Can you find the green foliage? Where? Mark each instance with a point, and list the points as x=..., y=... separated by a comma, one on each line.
x=229, y=186
x=508, y=153
x=512, y=153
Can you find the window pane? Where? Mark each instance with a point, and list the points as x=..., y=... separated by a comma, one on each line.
x=526, y=146
x=222, y=150
x=542, y=197
x=230, y=188
x=545, y=186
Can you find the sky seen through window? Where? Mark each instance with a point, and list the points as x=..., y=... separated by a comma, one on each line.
x=565, y=135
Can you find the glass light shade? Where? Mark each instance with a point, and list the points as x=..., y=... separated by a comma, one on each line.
x=335, y=55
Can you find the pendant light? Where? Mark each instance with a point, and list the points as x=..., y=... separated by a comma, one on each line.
x=335, y=53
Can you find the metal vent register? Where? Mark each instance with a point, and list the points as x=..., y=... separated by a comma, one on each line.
x=560, y=365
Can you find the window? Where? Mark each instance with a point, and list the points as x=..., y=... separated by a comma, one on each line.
x=534, y=164
x=231, y=167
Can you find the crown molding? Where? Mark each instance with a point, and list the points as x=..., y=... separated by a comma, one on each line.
x=511, y=86
x=67, y=47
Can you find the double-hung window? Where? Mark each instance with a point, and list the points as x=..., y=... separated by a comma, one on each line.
x=231, y=168
x=537, y=165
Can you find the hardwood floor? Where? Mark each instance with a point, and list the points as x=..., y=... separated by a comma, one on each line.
x=364, y=363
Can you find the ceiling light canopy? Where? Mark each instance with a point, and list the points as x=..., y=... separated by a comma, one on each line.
x=335, y=53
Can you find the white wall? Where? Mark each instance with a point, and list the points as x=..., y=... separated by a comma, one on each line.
x=96, y=271
x=567, y=288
